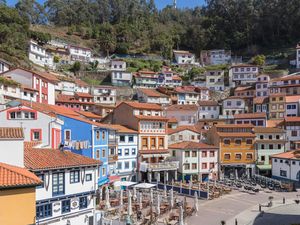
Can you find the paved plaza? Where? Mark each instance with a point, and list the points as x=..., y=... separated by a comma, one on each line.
x=244, y=207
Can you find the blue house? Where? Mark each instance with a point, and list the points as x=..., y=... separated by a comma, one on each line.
x=87, y=138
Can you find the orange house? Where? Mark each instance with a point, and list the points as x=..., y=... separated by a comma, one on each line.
x=237, y=148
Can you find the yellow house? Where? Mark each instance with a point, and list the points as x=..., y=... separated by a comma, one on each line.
x=17, y=195
x=236, y=144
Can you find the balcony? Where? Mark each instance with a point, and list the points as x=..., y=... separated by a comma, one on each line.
x=163, y=166
x=112, y=141
x=112, y=158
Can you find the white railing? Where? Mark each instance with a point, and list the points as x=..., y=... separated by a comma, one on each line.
x=173, y=165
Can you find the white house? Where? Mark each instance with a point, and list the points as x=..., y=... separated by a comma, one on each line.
x=208, y=110
x=183, y=57
x=12, y=145
x=38, y=55
x=4, y=65
x=127, y=140
x=38, y=126
x=169, y=78
x=197, y=161
x=262, y=85
x=152, y=96
x=242, y=74
x=184, y=133
x=80, y=53
x=215, y=57
x=104, y=94
x=146, y=79
x=119, y=74
x=43, y=82
x=298, y=56
x=292, y=105
x=191, y=95
x=67, y=195
x=215, y=80
x=184, y=114
x=286, y=166
x=233, y=105
x=292, y=127
x=258, y=119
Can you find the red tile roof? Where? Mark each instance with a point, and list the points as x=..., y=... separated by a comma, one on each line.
x=173, y=120
x=14, y=177
x=43, y=159
x=260, y=100
x=250, y=115
x=80, y=83
x=83, y=95
x=152, y=92
x=268, y=130
x=191, y=145
x=89, y=115
x=273, y=123
x=138, y=105
x=208, y=103
x=11, y=133
x=244, y=88
x=234, y=126
x=288, y=155
x=236, y=134
x=140, y=117
x=182, y=108
x=122, y=129
x=182, y=128
x=154, y=151
x=60, y=98
x=292, y=98
x=189, y=89
x=292, y=119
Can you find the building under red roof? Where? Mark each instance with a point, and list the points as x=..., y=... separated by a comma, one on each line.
x=191, y=145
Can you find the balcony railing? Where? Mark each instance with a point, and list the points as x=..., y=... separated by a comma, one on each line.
x=112, y=158
x=112, y=141
x=144, y=167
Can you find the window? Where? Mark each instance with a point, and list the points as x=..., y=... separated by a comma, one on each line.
x=262, y=158
x=88, y=177
x=249, y=141
x=226, y=142
x=103, y=135
x=82, y=202
x=262, y=146
x=133, y=164
x=120, y=152
x=133, y=151
x=126, y=151
x=97, y=135
x=103, y=171
x=277, y=137
x=58, y=183
x=194, y=154
x=238, y=141
x=103, y=153
x=67, y=135
x=153, y=142
x=204, y=166
x=42, y=178
x=187, y=166
x=65, y=206
x=271, y=146
x=44, y=211
x=270, y=137
x=283, y=173
x=212, y=154
x=145, y=142
x=130, y=138
x=161, y=142
x=74, y=176
x=204, y=154
x=97, y=154
x=36, y=135
x=211, y=165
x=119, y=166
x=238, y=156
x=126, y=165
x=180, y=137
x=174, y=153
x=186, y=154
x=294, y=133
x=194, y=166
x=249, y=156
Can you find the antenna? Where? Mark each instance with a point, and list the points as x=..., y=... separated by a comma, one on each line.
x=175, y=4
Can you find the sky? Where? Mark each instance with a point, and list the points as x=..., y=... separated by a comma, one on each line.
x=159, y=3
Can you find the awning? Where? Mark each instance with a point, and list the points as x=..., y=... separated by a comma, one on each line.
x=124, y=183
x=264, y=167
x=145, y=185
x=102, y=181
x=113, y=179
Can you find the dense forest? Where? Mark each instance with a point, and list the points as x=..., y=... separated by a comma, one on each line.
x=124, y=26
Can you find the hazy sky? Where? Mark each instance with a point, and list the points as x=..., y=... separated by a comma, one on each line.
x=159, y=3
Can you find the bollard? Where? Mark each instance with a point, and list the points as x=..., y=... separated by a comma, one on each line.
x=283, y=200
x=259, y=207
x=236, y=222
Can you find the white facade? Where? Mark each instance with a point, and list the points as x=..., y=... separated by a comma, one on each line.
x=293, y=135
x=184, y=117
x=262, y=85
x=12, y=151
x=37, y=126
x=292, y=109
x=232, y=106
x=119, y=75
x=215, y=80
x=183, y=135
x=80, y=54
x=66, y=87
x=13, y=92
x=215, y=57
x=298, y=57
x=82, y=190
x=127, y=154
x=242, y=75
x=184, y=57
x=286, y=168
x=4, y=66
x=208, y=111
x=39, y=56
x=157, y=98
x=104, y=95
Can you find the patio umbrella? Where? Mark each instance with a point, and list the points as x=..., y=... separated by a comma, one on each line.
x=196, y=202
x=171, y=198
x=180, y=222
x=141, y=201
x=134, y=194
x=158, y=204
x=129, y=210
x=165, y=191
x=151, y=196
x=190, y=184
x=100, y=194
x=107, y=203
x=121, y=197
x=172, y=183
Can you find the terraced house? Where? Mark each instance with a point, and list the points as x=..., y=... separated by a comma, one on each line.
x=236, y=149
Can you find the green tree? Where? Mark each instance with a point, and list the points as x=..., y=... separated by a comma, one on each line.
x=76, y=67
x=32, y=10
x=56, y=59
x=259, y=60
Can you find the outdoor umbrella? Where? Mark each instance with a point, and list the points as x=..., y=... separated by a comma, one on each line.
x=196, y=202
x=121, y=197
x=141, y=200
x=129, y=210
x=158, y=204
x=165, y=191
x=180, y=216
x=171, y=198
x=107, y=203
x=151, y=196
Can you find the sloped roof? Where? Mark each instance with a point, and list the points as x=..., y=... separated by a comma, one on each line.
x=208, y=103
x=268, y=130
x=11, y=133
x=292, y=98
x=123, y=129
x=288, y=155
x=14, y=176
x=191, y=145
x=152, y=93
x=182, y=128
x=138, y=105
x=182, y=108
x=83, y=95
x=260, y=100
x=43, y=159
x=250, y=115
x=88, y=114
